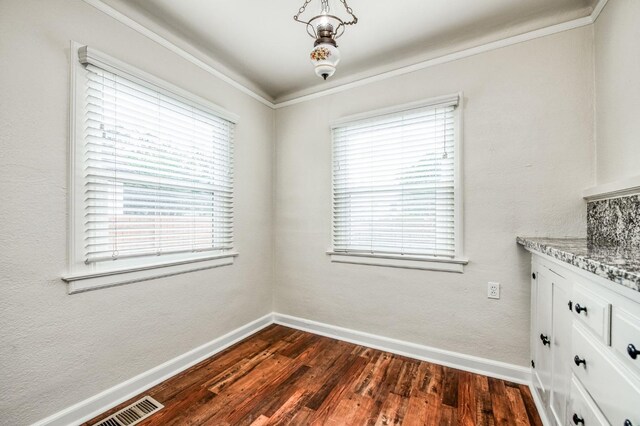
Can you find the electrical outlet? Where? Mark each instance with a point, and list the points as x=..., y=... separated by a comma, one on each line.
x=493, y=291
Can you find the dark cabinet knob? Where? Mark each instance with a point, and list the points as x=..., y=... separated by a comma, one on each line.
x=579, y=361
x=570, y=304
x=533, y=275
x=579, y=309
x=577, y=419
x=627, y=422
x=545, y=340
x=632, y=351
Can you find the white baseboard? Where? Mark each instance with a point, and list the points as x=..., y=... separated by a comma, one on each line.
x=97, y=404
x=542, y=412
x=470, y=363
x=108, y=399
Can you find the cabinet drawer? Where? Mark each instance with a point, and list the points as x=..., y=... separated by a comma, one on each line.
x=625, y=337
x=615, y=393
x=582, y=410
x=593, y=311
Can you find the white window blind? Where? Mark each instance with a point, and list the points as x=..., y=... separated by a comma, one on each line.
x=158, y=172
x=394, y=182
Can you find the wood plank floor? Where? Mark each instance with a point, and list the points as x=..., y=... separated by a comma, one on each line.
x=282, y=376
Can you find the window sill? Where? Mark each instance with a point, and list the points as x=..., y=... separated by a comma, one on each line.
x=400, y=261
x=81, y=282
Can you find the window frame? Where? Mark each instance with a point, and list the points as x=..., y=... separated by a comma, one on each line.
x=455, y=264
x=84, y=277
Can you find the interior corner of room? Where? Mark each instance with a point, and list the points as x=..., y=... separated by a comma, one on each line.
x=437, y=222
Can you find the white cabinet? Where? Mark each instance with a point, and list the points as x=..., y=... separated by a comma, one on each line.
x=594, y=311
x=626, y=339
x=606, y=382
x=581, y=408
x=542, y=334
x=585, y=333
x=560, y=348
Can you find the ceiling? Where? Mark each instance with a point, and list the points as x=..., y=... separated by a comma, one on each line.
x=259, y=43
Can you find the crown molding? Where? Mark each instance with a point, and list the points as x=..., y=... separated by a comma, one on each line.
x=598, y=9
x=302, y=95
x=123, y=19
x=307, y=95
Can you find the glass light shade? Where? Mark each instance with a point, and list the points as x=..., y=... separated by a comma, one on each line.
x=325, y=58
x=324, y=20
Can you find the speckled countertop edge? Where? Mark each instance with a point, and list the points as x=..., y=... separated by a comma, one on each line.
x=552, y=247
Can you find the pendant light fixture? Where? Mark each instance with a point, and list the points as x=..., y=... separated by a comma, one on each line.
x=325, y=28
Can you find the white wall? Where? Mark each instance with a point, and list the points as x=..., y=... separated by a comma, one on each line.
x=56, y=349
x=528, y=154
x=617, y=63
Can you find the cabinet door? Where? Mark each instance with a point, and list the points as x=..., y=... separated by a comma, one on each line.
x=560, y=347
x=533, y=339
x=542, y=334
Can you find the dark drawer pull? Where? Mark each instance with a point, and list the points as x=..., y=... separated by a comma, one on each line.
x=577, y=419
x=632, y=351
x=545, y=340
x=580, y=309
x=627, y=422
x=579, y=361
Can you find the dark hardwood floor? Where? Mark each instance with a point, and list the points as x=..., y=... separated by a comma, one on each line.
x=289, y=377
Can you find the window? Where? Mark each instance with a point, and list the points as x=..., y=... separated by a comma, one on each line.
x=153, y=177
x=396, y=187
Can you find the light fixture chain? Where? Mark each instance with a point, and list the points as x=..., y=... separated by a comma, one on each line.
x=302, y=9
x=326, y=5
x=350, y=12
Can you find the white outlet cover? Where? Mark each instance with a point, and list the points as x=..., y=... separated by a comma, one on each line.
x=493, y=290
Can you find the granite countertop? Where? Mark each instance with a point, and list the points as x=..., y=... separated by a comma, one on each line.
x=620, y=265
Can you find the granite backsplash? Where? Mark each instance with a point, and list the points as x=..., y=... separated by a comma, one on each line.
x=614, y=222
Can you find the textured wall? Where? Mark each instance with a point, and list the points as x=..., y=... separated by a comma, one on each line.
x=58, y=349
x=528, y=154
x=618, y=91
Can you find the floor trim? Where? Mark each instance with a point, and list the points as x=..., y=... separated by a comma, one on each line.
x=97, y=404
x=542, y=412
x=470, y=363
